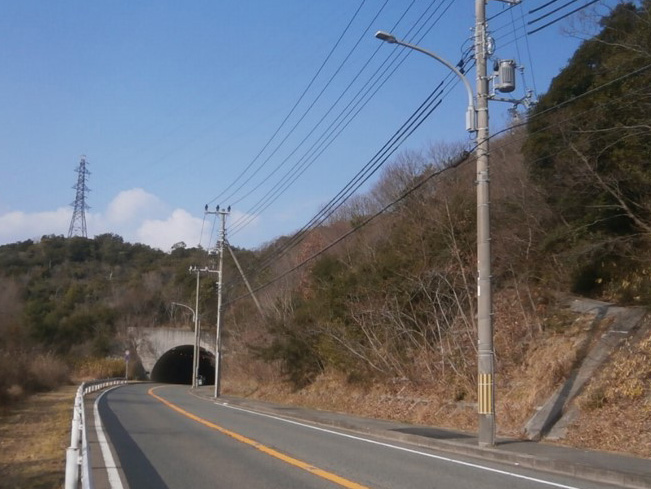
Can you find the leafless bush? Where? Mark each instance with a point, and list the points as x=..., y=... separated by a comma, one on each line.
x=24, y=372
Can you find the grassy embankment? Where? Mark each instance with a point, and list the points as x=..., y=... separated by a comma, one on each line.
x=35, y=433
x=35, y=425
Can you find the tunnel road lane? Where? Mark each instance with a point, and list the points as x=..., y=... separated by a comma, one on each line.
x=165, y=437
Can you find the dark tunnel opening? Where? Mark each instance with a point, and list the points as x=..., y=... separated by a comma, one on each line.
x=175, y=366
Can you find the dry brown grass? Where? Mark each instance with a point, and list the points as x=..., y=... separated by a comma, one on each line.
x=616, y=406
x=26, y=372
x=98, y=368
x=522, y=390
x=525, y=386
x=396, y=401
x=34, y=435
x=35, y=429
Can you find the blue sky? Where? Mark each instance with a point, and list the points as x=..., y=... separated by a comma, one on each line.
x=170, y=101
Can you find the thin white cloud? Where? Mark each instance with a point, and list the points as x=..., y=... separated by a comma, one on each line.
x=20, y=226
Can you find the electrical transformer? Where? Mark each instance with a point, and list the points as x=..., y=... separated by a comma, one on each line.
x=505, y=81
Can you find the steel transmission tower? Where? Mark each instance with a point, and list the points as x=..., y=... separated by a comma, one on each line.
x=78, y=221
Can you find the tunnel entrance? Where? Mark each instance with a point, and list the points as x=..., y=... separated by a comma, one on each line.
x=175, y=366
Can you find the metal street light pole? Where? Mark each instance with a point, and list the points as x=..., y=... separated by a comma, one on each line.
x=470, y=111
x=195, y=319
x=187, y=307
x=477, y=120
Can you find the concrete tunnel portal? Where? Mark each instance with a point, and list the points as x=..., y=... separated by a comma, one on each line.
x=175, y=366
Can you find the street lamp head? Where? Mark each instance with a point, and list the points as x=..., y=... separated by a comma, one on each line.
x=386, y=37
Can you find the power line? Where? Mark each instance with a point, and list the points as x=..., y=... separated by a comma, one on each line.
x=307, y=110
x=296, y=104
x=563, y=17
x=336, y=202
x=291, y=176
x=454, y=165
x=321, y=145
x=298, y=237
x=362, y=178
x=325, y=213
x=542, y=6
x=407, y=128
x=295, y=172
x=356, y=228
x=551, y=12
x=363, y=92
x=533, y=78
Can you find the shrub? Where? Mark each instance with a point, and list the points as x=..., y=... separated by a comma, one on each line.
x=46, y=372
x=98, y=368
x=26, y=372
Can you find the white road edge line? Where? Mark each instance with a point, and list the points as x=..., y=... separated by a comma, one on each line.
x=397, y=447
x=113, y=474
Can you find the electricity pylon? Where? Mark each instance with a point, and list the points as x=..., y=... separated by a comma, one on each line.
x=78, y=221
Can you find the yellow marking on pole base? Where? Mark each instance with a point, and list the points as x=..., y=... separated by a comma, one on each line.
x=265, y=449
x=485, y=394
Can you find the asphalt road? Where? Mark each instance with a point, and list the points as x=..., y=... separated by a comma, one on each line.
x=162, y=436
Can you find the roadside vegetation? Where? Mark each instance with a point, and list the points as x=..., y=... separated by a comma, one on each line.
x=382, y=324
x=35, y=433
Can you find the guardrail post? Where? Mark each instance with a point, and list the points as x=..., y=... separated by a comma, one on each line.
x=72, y=468
x=76, y=423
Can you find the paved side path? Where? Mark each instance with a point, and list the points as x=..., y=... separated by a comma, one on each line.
x=619, y=470
x=553, y=418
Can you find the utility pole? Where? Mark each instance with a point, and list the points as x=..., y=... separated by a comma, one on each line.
x=197, y=344
x=220, y=249
x=197, y=350
x=197, y=325
x=486, y=353
x=485, y=361
x=78, y=221
x=477, y=121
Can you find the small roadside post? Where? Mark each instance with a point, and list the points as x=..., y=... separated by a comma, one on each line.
x=127, y=353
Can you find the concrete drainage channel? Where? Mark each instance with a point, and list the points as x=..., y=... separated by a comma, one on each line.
x=77, y=455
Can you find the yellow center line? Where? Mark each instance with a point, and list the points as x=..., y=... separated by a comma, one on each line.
x=259, y=446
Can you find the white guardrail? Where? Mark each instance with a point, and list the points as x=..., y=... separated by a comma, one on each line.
x=78, y=473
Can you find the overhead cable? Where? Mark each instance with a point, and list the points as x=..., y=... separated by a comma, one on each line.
x=434, y=174
x=563, y=17
x=306, y=112
x=552, y=12
x=296, y=104
x=361, y=94
x=463, y=157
